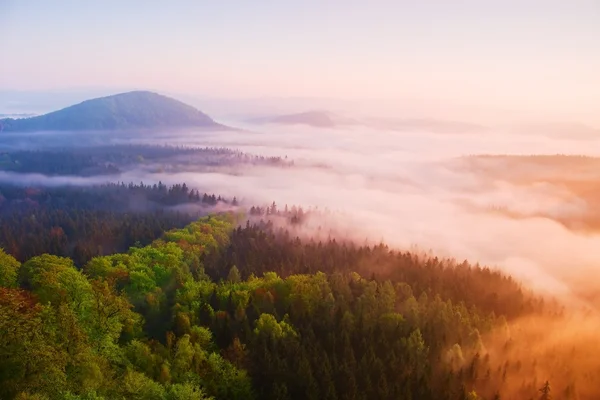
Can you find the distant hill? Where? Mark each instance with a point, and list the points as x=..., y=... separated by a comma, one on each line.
x=319, y=119
x=326, y=119
x=558, y=130
x=125, y=111
x=424, y=124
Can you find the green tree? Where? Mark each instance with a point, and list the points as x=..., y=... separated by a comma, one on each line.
x=234, y=275
x=55, y=280
x=139, y=387
x=186, y=391
x=9, y=268
x=268, y=325
x=183, y=358
x=33, y=359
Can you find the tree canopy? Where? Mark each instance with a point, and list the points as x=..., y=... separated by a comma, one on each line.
x=220, y=311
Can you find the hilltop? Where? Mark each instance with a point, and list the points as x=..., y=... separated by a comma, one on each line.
x=131, y=110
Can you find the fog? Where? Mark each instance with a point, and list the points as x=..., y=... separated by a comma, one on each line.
x=410, y=188
x=414, y=189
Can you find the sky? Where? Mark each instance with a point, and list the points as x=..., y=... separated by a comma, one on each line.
x=539, y=58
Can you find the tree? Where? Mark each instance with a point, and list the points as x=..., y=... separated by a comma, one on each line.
x=9, y=268
x=140, y=356
x=279, y=391
x=234, y=275
x=33, y=359
x=111, y=316
x=225, y=381
x=472, y=395
x=184, y=357
x=236, y=353
x=138, y=386
x=55, y=280
x=546, y=391
x=186, y=391
x=267, y=325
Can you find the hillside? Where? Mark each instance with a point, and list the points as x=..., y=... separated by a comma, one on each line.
x=131, y=110
x=220, y=311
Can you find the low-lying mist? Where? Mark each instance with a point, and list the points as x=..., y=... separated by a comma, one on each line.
x=416, y=189
x=525, y=215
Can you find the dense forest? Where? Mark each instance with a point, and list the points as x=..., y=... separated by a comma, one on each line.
x=83, y=222
x=228, y=309
x=116, y=158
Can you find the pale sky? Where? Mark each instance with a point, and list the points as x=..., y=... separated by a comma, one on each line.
x=541, y=57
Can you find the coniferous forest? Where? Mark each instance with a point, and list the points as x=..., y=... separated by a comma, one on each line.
x=81, y=223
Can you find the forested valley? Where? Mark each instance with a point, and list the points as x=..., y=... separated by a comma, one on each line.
x=231, y=306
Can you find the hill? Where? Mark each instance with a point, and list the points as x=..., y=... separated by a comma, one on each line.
x=131, y=110
x=313, y=118
x=326, y=119
x=318, y=119
x=424, y=125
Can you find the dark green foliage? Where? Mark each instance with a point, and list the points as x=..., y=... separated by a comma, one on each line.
x=258, y=248
x=67, y=159
x=82, y=223
x=152, y=324
x=9, y=268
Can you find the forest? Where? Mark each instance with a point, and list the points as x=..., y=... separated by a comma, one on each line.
x=113, y=159
x=83, y=222
x=227, y=309
x=161, y=291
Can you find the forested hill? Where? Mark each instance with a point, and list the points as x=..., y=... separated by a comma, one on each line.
x=125, y=111
x=215, y=311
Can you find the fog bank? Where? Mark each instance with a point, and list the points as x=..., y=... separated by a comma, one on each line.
x=414, y=188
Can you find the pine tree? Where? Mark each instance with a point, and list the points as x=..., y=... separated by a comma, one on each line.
x=546, y=391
